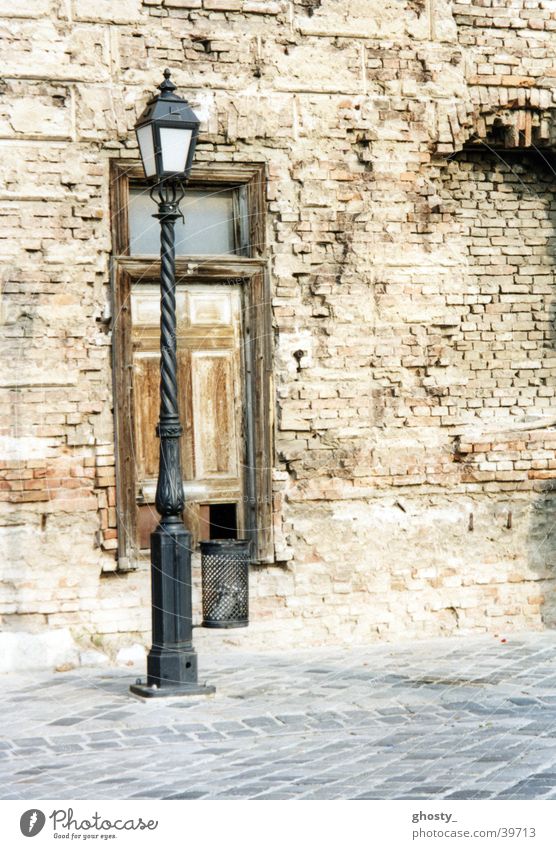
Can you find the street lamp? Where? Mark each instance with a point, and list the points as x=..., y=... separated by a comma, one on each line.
x=167, y=134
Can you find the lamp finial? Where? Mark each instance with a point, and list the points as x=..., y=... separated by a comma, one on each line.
x=167, y=86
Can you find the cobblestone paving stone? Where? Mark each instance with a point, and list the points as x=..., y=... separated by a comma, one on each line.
x=464, y=718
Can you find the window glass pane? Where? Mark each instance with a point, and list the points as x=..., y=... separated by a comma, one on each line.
x=208, y=226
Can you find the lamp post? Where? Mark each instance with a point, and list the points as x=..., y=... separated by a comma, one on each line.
x=167, y=134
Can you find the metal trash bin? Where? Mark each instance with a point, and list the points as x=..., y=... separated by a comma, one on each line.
x=225, y=583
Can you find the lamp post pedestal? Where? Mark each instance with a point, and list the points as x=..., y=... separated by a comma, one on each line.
x=172, y=660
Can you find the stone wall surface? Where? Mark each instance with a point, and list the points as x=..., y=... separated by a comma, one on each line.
x=415, y=436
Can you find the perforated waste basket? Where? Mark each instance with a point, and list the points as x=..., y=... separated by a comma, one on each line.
x=225, y=583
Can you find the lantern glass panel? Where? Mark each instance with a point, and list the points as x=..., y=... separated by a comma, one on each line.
x=146, y=146
x=174, y=143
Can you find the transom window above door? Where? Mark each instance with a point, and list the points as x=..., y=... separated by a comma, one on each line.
x=214, y=222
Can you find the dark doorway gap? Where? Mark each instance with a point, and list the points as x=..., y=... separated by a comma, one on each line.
x=223, y=521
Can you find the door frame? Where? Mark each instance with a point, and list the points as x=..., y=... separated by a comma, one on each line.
x=251, y=273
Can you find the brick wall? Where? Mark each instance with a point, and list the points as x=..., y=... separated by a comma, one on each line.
x=415, y=436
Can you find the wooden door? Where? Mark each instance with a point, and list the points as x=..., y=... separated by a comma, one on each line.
x=211, y=402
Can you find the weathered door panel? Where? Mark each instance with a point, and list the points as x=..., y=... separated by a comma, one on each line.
x=214, y=427
x=146, y=380
x=211, y=399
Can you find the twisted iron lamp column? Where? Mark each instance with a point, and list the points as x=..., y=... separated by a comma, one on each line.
x=169, y=492
x=172, y=660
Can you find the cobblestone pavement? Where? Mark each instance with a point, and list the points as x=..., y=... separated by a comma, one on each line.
x=465, y=718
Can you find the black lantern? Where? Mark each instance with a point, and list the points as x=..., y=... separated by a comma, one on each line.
x=167, y=134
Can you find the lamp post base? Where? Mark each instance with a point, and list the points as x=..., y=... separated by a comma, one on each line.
x=172, y=660
x=146, y=691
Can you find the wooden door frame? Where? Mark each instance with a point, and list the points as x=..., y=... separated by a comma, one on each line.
x=249, y=272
